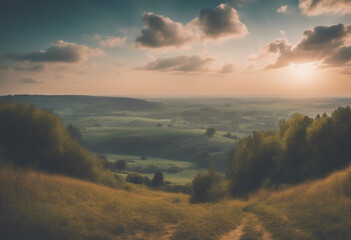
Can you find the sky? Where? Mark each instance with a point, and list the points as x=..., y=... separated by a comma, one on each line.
x=170, y=48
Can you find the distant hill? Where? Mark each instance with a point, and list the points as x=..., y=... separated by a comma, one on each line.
x=85, y=105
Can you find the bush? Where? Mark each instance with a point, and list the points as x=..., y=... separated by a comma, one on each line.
x=210, y=131
x=157, y=180
x=208, y=187
x=120, y=164
x=135, y=178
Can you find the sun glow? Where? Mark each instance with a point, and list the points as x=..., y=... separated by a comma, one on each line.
x=302, y=73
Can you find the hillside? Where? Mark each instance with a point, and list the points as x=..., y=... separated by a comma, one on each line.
x=84, y=105
x=40, y=206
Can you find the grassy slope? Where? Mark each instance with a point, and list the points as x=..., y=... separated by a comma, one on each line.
x=317, y=210
x=40, y=206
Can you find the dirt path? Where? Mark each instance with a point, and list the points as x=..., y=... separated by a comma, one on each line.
x=170, y=229
x=236, y=233
x=248, y=221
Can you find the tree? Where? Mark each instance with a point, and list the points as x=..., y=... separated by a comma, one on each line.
x=74, y=132
x=157, y=180
x=135, y=178
x=36, y=138
x=210, y=131
x=120, y=164
x=208, y=186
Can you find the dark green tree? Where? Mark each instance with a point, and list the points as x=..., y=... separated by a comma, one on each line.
x=157, y=180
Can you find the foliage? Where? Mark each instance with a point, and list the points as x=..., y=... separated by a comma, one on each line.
x=210, y=131
x=35, y=138
x=157, y=180
x=303, y=148
x=208, y=187
x=120, y=164
x=74, y=132
x=135, y=178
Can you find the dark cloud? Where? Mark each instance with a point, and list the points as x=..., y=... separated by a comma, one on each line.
x=328, y=45
x=60, y=51
x=160, y=31
x=180, y=64
x=29, y=81
x=221, y=22
x=318, y=7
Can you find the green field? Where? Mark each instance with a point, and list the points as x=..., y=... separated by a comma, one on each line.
x=159, y=142
x=182, y=177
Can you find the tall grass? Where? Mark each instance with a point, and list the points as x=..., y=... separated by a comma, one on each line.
x=40, y=206
x=314, y=210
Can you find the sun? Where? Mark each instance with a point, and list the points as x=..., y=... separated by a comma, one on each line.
x=302, y=73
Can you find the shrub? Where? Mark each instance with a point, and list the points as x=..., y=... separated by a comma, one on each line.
x=210, y=131
x=120, y=164
x=208, y=187
x=157, y=180
x=135, y=178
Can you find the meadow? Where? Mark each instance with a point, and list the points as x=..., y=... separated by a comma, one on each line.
x=36, y=205
x=38, y=201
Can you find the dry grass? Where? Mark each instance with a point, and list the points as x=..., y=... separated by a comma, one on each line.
x=39, y=206
x=314, y=210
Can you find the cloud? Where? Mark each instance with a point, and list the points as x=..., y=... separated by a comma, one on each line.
x=29, y=81
x=319, y=7
x=214, y=24
x=23, y=68
x=222, y=22
x=60, y=51
x=160, y=31
x=327, y=45
x=227, y=68
x=192, y=63
x=283, y=9
x=33, y=68
x=113, y=41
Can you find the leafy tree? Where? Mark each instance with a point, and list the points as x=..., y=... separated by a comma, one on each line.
x=208, y=187
x=303, y=148
x=135, y=178
x=37, y=138
x=157, y=180
x=210, y=131
x=74, y=132
x=120, y=164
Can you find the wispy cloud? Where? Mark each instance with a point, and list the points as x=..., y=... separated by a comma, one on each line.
x=60, y=51
x=112, y=41
x=29, y=81
x=283, y=9
x=319, y=7
x=183, y=64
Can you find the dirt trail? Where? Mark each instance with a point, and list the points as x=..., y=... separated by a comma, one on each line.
x=170, y=229
x=265, y=234
x=236, y=233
